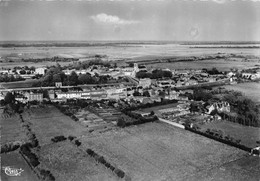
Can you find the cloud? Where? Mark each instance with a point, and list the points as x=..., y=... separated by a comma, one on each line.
x=110, y=19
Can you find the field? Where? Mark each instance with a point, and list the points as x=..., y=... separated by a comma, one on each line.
x=49, y=122
x=156, y=108
x=220, y=64
x=11, y=129
x=113, y=52
x=246, y=168
x=67, y=162
x=157, y=151
x=15, y=160
x=247, y=135
x=250, y=89
x=92, y=121
x=18, y=84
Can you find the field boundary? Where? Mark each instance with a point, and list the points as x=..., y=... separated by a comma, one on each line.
x=172, y=123
x=242, y=147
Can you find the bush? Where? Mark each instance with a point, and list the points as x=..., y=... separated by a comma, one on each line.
x=102, y=160
x=119, y=173
x=10, y=147
x=90, y=152
x=46, y=175
x=58, y=139
x=77, y=142
x=71, y=138
x=32, y=158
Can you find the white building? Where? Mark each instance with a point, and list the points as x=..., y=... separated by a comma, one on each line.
x=40, y=70
x=145, y=82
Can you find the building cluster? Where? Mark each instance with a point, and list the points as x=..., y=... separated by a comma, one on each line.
x=103, y=71
x=27, y=73
x=173, y=112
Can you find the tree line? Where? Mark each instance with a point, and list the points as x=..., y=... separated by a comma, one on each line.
x=155, y=74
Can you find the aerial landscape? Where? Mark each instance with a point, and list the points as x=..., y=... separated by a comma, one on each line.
x=142, y=90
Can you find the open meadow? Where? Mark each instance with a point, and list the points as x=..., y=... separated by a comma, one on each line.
x=250, y=89
x=48, y=122
x=220, y=64
x=67, y=162
x=15, y=160
x=157, y=151
x=11, y=129
x=117, y=51
x=157, y=108
x=248, y=135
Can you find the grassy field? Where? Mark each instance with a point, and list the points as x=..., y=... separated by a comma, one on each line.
x=156, y=108
x=11, y=129
x=250, y=89
x=15, y=160
x=247, y=135
x=157, y=151
x=113, y=52
x=246, y=168
x=67, y=162
x=222, y=65
x=18, y=84
x=48, y=122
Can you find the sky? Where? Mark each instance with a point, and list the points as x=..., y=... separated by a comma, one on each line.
x=170, y=20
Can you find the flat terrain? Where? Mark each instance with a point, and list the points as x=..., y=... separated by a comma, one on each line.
x=157, y=151
x=19, y=84
x=247, y=135
x=113, y=52
x=67, y=162
x=220, y=64
x=156, y=108
x=250, y=89
x=48, y=122
x=11, y=129
x=246, y=168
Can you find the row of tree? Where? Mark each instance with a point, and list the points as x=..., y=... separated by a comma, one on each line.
x=120, y=173
x=155, y=74
x=55, y=74
x=10, y=78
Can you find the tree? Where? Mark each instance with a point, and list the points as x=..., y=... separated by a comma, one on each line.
x=22, y=72
x=73, y=78
x=9, y=98
x=162, y=93
x=45, y=94
x=146, y=94
x=131, y=64
x=56, y=78
x=121, y=122
x=136, y=93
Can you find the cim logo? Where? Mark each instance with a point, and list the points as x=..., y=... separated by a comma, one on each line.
x=13, y=172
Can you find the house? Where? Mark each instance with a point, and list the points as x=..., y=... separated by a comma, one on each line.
x=98, y=94
x=40, y=70
x=130, y=71
x=219, y=106
x=164, y=83
x=116, y=93
x=68, y=95
x=30, y=96
x=58, y=84
x=145, y=82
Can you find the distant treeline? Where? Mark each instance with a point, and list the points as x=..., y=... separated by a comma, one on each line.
x=191, y=58
x=225, y=47
x=73, y=44
x=219, y=42
x=53, y=59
